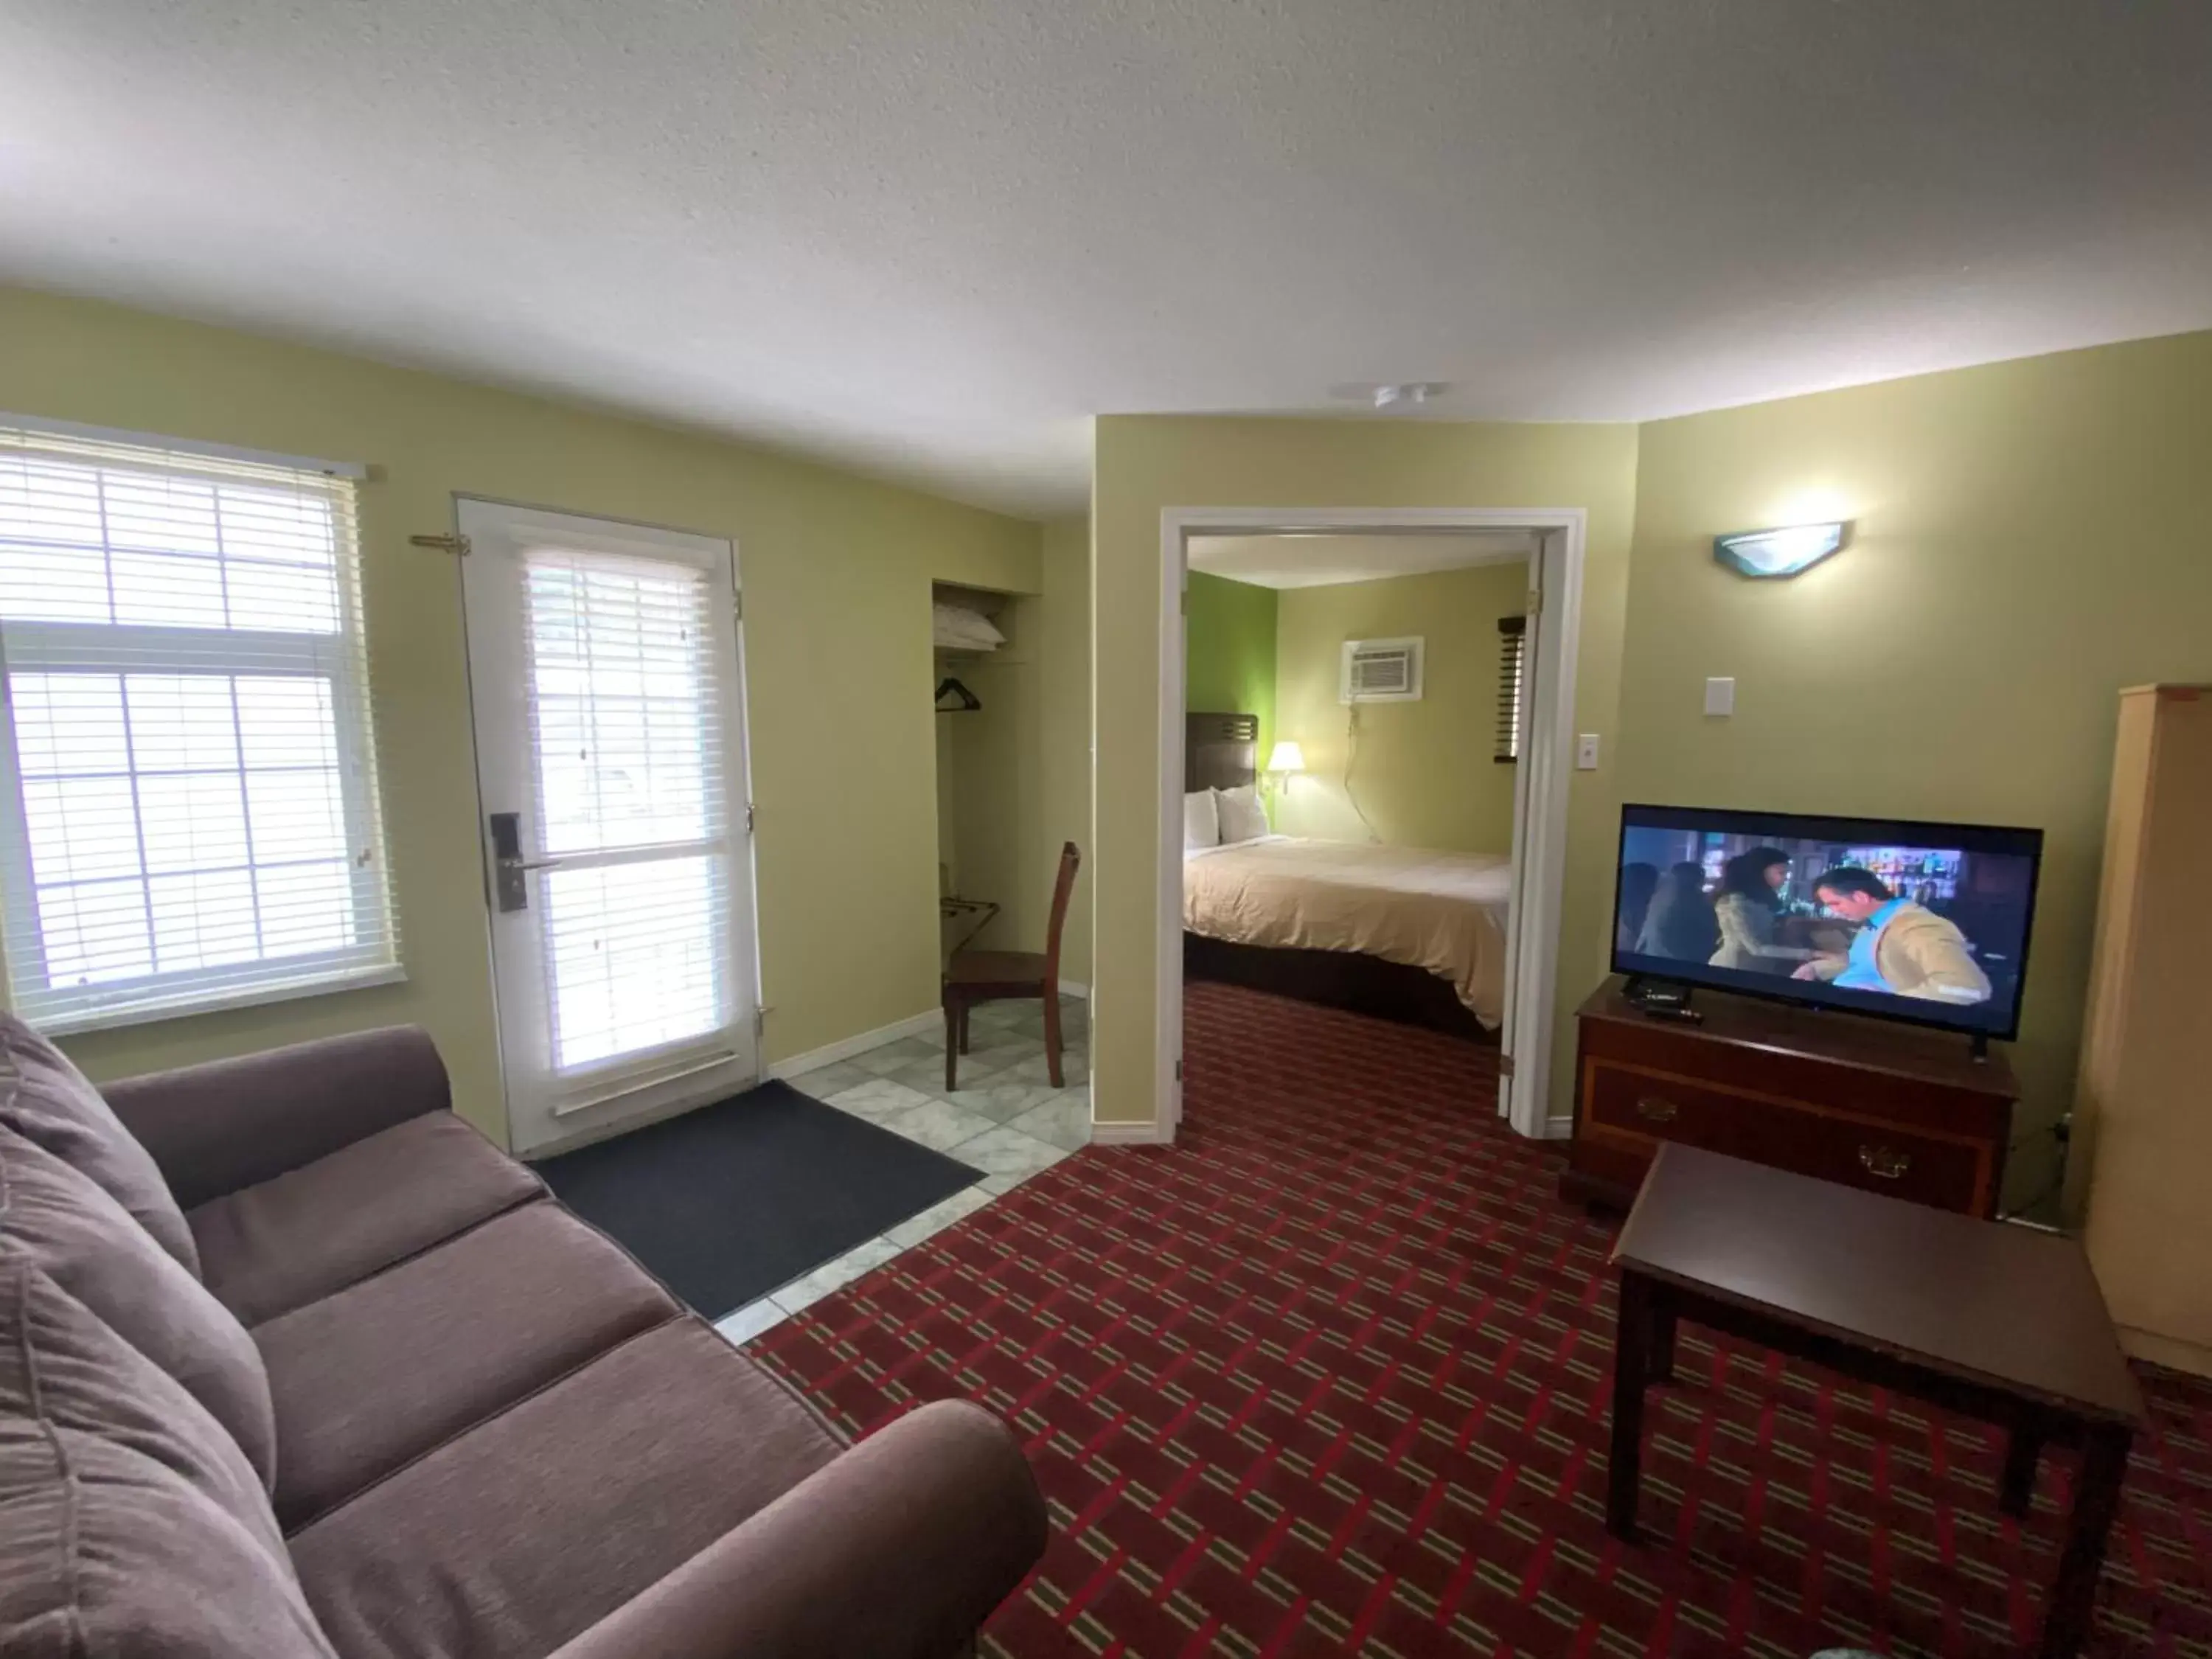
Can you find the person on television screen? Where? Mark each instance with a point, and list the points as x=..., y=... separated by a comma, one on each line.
x=1748, y=905
x=1639, y=882
x=1902, y=948
x=1680, y=923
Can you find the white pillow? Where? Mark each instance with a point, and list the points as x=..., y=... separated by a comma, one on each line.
x=1200, y=825
x=956, y=628
x=1242, y=816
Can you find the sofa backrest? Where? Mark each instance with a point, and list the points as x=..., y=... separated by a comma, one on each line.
x=47, y=1100
x=54, y=1217
x=130, y=1522
x=137, y=1442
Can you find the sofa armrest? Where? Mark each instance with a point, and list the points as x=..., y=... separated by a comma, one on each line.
x=216, y=1127
x=897, y=1550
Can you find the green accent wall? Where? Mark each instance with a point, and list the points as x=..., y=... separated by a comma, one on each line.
x=1230, y=635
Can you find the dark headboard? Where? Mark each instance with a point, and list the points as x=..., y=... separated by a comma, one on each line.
x=1219, y=752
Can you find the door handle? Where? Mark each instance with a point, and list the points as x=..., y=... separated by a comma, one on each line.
x=1657, y=1109
x=510, y=891
x=1885, y=1162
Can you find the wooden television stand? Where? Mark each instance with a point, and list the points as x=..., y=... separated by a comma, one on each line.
x=1891, y=1108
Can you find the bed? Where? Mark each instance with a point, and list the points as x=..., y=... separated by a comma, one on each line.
x=1410, y=934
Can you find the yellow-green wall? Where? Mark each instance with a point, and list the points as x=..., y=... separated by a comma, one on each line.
x=1143, y=464
x=837, y=572
x=1064, y=694
x=2031, y=537
x=1424, y=773
x=1229, y=651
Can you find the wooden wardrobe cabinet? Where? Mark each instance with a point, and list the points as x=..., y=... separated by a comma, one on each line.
x=2142, y=1110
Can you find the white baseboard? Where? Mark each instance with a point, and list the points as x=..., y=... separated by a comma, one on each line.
x=1131, y=1134
x=1075, y=988
x=2171, y=1351
x=1561, y=1128
x=830, y=1053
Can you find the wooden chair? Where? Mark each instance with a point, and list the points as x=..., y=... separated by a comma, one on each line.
x=978, y=976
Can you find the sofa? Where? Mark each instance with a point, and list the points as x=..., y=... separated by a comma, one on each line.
x=293, y=1362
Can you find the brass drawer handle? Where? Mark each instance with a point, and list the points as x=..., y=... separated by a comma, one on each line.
x=1658, y=1110
x=1884, y=1162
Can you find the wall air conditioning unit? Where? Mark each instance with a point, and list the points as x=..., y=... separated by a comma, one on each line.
x=1380, y=670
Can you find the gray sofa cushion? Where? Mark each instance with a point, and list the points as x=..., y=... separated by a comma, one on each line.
x=506, y=1542
x=46, y=1100
x=53, y=1216
x=268, y=1248
x=130, y=1524
x=377, y=1375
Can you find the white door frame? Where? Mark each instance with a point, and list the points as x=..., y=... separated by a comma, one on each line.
x=1540, y=784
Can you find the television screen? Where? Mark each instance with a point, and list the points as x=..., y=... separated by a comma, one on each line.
x=1926, y=922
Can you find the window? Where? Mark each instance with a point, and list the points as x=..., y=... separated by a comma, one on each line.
x=626, y=727
x=1512, y=663
x=188, y=808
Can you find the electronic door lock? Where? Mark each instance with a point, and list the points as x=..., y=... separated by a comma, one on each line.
x=510, y=892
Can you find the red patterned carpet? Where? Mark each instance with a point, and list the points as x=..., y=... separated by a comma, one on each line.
x=1331, y=1375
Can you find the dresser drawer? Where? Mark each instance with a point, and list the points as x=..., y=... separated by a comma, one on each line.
x=1622, y=1104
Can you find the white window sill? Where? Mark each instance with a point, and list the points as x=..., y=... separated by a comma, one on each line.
x=112, y=1019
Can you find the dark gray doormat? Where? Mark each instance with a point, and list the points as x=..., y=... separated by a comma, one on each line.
x=727, y=1202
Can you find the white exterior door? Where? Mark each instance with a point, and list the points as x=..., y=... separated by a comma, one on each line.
x=607, y=685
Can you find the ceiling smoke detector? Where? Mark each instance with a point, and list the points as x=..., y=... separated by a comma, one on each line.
x=1391, y=395
x=1411, y=392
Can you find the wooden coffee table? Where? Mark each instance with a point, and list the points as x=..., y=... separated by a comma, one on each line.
x=2001, y=1323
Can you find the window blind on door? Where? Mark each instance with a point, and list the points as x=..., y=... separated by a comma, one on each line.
x=627, y=721
x=1512, y=660
x=189, y=816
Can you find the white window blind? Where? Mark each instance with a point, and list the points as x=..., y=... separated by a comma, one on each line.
x=1512, y=674
x=626, y=722
x=188, y=814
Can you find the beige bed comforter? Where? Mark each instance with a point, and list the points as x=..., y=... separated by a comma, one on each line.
x=1442, y=911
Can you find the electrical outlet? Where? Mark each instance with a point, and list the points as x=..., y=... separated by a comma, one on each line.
x=1586, y=752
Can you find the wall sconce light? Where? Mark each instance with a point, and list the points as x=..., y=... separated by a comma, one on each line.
x=1781, y=552
x=1283, y=761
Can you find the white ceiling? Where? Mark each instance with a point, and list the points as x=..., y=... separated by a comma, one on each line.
x=930, y=238
x=1282, y=561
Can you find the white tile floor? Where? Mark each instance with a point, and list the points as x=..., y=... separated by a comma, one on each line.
x=1005, y=1118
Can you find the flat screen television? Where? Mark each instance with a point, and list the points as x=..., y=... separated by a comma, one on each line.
x=1923, y=922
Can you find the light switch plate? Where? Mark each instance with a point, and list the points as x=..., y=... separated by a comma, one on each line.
x=1720, y=696
x=1586, y=752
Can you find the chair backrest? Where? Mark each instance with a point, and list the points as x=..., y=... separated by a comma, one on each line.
x=1063, y=888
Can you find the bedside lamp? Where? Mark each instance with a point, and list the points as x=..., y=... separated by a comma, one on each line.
x=1285, y=759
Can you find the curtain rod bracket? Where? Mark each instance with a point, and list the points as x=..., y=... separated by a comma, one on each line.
x=457, y=545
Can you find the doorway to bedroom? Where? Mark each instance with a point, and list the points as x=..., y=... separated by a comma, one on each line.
x=1366, y=736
